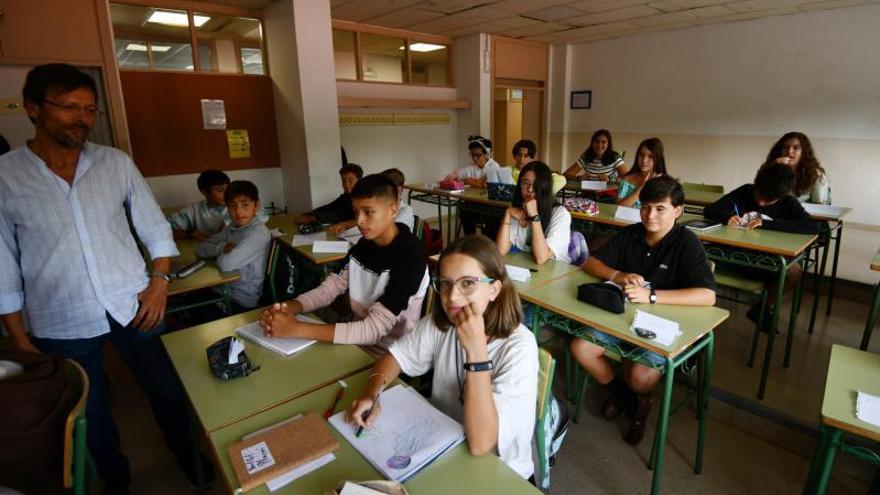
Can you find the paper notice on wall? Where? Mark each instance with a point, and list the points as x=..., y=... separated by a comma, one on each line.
x=214, y=114
x=239, y=143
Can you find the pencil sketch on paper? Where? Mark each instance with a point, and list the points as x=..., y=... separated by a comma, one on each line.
x=408, y=442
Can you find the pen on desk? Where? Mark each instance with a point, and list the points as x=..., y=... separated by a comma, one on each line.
x=533, y=270
x=736, y=209
x=367, y=414
x=342, y=386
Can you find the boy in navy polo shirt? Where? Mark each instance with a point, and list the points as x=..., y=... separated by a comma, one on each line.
x=655, y=261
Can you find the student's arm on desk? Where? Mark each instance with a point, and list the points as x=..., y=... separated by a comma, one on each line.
x=574, y=171
x=385, y=371
x=600, y=270
x=212, y=247
x=502, y=238
x=691, y=296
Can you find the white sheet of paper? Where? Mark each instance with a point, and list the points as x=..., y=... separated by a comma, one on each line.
x=330, y=247
x=350, y=488
x=285, y=347
x=501, y=175
x=285, y=479
x=276, y=232
x=408, y=435
x=257, y=458
x=518, y=274
x=666, y=330
x=823, y=210
x=628, y=214
x=594, y=185
x=352, y=235
x=308, y=239
x=868, y=408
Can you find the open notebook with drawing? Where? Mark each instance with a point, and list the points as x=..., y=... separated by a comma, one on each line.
x=408, y=435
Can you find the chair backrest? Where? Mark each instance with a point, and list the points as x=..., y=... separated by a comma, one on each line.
x=546, y=368
x=288, y=275
x=79, y=382
x=693, y=186
x=418, y=228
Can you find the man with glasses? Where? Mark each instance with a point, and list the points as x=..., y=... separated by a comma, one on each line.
x=70, y=268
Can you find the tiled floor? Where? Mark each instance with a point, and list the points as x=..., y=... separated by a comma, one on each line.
x=745, y=454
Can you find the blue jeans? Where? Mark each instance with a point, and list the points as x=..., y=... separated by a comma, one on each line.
x=609, y=340
x=145, y=356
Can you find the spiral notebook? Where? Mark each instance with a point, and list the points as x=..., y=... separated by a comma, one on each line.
x=408, y=435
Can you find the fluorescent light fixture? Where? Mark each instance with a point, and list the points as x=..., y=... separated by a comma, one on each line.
x=160, y=48
x=176, y=18
x=423, y=47
x=136, y=47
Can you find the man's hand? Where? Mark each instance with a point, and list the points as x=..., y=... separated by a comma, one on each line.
x=23, y=343
x=152, y=304
x=637, y=293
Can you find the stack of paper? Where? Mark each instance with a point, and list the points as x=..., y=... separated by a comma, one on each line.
x=352, y=235
x=868, y=408
x=823, y=210
x=285, y=347
x=518, y=274
x=308, y=239
x=338, y=247
x=628, y=214
x=408, y=435
x=665, y=330
x=594, y=185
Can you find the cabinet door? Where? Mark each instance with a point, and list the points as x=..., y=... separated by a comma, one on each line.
x=59, y=30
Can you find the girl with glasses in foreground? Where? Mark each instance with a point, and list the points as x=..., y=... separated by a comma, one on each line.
x=485, y=360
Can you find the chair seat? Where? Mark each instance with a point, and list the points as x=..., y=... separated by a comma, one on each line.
x=729, y=279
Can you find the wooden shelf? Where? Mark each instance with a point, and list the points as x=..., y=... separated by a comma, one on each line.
x=359, y=102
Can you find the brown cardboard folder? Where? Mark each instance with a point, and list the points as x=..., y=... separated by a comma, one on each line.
x=291, y=444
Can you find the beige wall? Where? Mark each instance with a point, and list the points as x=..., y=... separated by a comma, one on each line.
x=720, y=95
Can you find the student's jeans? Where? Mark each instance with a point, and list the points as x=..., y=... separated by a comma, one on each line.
x=145, y=356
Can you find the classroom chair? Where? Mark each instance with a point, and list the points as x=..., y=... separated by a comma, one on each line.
x=543, y=419
x=288, y=274
x=76, y=456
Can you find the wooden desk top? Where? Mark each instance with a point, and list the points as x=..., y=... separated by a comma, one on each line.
x=207, y=276
x=456, y=471
x=560, y=297
x=219, y=403
x=850, y=371
x=288, y=224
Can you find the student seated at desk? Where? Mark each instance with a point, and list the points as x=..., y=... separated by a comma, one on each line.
x=535, y=222
x=480, y=151
x=810, y=182
x=655, y=261
x=386, y=277
x=405, y=213
x=339, y=210
x=599, y=161
x=243, y=246
x=766, y=204
x=205, y=218
x=485, y=360
x=649, y=163
x=524, y=152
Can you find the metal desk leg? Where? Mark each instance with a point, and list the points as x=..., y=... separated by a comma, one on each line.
x=662, y=426
x=703, y=402
x=834, y=266
x=872, y=319
x=795, y=311
x=771, y=332
x=820, y=471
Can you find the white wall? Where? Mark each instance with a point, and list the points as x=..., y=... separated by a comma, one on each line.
x=473, y=83
x=179, y=190
x=720, y=95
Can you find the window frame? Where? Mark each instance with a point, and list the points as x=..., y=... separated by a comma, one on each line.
x=408, y=37
x=191, y=11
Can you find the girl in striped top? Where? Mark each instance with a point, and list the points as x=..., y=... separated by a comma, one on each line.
x=599, y=161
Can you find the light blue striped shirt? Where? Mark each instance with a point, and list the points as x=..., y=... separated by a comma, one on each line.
x=67, y=254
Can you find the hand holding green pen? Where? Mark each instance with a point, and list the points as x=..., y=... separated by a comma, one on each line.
x=368, y=413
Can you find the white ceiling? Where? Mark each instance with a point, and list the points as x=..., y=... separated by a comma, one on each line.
x=555, y=21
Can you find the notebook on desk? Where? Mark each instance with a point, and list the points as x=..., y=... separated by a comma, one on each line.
x=408, y=435
x=285, y=347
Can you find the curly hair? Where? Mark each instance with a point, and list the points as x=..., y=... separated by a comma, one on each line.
x=808, y=168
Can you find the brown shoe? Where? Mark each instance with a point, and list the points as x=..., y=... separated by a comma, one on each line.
x=637, y=427
x=612, y=408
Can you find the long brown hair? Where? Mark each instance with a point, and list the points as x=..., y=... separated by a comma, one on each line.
x=655, y=147
x=502, y=315
x=808, y=168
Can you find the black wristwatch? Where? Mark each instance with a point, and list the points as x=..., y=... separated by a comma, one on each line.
x=534, y=218
x=653, y=296
x=483, y=366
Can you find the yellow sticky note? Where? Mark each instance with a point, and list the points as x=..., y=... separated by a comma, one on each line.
x=239, y=143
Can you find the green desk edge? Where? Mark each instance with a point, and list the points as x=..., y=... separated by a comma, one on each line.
x=560, y=297
x=207, y=276
x=850, y=371
x=218, y=403
x=457, y=471
x=287, y=223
